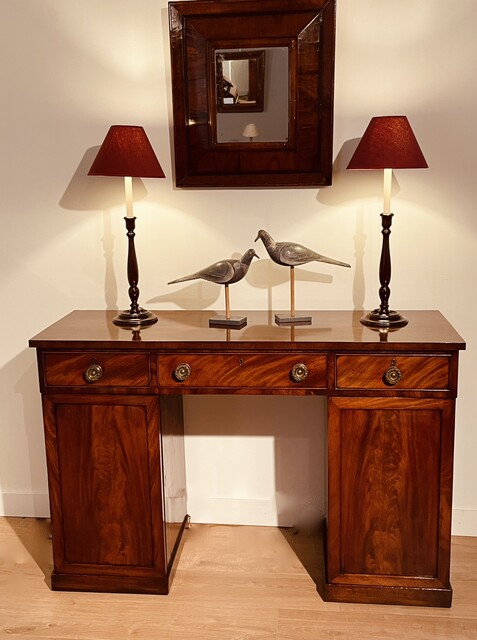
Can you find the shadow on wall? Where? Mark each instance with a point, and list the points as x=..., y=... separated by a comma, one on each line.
x=364, y=186
x=228, y=455
x=28, y=429
x=96, y=193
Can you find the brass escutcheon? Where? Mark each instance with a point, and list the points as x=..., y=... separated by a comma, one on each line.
x=93, y=373
x=393, y=374
x=299, y=372
x=182, y=371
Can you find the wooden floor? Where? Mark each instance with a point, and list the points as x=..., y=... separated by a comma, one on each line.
x=247, y=583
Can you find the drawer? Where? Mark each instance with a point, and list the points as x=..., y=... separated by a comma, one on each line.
x=72, y=369
x=259, y=371
x=393, y=371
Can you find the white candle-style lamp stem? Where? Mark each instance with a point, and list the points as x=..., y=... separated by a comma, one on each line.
x=388, y=143
x=129, y=198
x=388, y=181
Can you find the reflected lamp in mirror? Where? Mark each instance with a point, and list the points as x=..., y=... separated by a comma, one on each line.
x=250, y=131
x=126, y=152
x=274, y=58
x=388, y=143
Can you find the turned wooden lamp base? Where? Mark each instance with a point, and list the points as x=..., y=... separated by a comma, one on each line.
x=383, y=317
x=388, y=320
x=129, y=319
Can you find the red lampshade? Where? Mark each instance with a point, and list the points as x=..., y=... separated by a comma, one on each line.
x=126, y=151
x=388, y=143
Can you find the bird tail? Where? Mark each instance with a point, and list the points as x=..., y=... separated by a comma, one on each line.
x=336, y=262
x=183, y=279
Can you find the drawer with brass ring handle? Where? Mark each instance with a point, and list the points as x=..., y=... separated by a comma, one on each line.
x=242, y=371
x=182, y=371
x=99, y=369
x=93, y=373
x=381, y=371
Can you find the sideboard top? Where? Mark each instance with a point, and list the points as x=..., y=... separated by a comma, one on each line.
x=337, y=330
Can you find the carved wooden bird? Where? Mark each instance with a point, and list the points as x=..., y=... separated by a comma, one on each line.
x=223, y=271
x=292, y=254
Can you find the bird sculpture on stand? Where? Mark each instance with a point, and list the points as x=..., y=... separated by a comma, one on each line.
x=224, y=272
x=292, y=254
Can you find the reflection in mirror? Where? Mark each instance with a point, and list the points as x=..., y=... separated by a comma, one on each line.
x=252, y=81
x=239, y=79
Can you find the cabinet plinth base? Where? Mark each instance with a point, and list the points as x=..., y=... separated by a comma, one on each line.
x=410, y=596
x=109, y=584
x=101, y=583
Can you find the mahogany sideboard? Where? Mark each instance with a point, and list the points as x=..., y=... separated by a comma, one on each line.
x=112, y=406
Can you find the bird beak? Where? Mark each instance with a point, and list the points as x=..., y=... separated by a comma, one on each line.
x=256, y=239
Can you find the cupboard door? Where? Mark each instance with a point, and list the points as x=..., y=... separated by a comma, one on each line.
x=390, y=491
x=105, y=485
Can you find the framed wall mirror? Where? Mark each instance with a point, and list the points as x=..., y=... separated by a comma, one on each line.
x=252, y=89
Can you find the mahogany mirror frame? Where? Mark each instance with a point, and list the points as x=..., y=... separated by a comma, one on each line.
x=307, y=28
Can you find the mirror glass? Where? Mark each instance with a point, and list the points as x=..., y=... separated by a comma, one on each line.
x=252, y=95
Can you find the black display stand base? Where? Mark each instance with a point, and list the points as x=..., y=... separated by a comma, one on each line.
x=292, y=319
x=228, y=323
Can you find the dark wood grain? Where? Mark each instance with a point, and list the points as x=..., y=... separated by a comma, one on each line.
x=174, y=473
x=119, y=369
x=417, y=372
x=427, y=331
x=105, y=489
x=389, y=495
x=248, y=370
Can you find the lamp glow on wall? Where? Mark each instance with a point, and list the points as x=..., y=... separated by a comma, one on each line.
x=388, y=143
x=126, y=152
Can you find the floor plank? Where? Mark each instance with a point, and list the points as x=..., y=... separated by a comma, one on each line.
x=232, y=583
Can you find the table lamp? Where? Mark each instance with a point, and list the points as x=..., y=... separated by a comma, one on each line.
x=126, y=152
x=388, y=143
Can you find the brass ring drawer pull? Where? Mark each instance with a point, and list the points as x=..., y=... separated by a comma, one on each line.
x=93, y=373
x=393, y=374
x=299, y=372
x=182, y=371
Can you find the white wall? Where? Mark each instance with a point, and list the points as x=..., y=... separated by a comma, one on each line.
x=71, y=69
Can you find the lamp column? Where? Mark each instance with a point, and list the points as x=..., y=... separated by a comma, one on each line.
x=383, y=317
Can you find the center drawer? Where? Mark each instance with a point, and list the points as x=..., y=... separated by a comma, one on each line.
x=270, y=371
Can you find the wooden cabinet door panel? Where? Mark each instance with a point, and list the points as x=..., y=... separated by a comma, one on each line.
x=105, y=487
x=390, y=488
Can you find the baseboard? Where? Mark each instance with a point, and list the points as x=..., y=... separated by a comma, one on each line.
x=255, y=512
x=28, y=505
x=464, y=522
